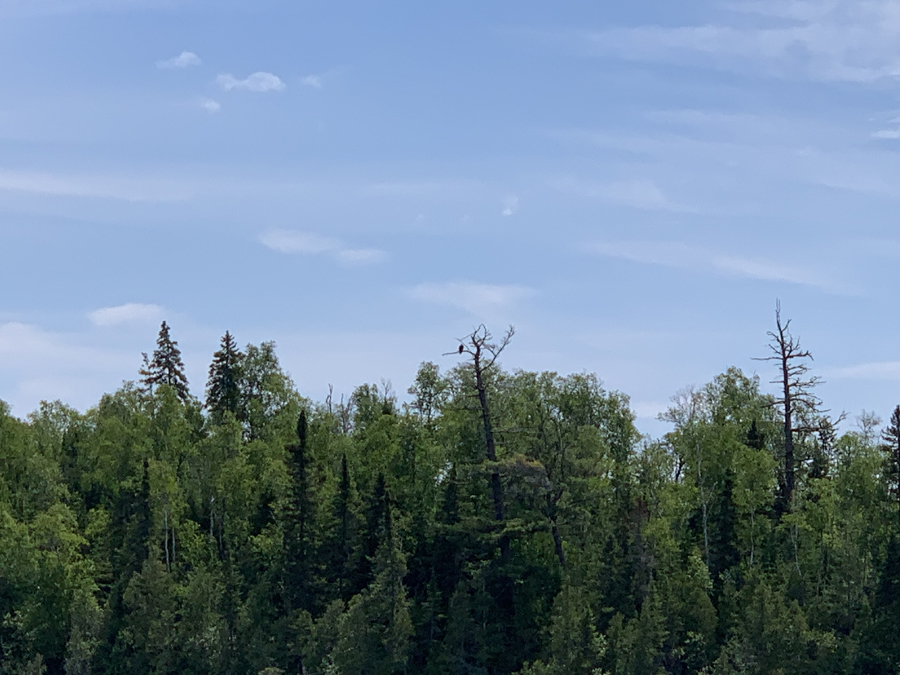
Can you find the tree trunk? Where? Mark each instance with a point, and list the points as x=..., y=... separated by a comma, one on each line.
x=496, y=485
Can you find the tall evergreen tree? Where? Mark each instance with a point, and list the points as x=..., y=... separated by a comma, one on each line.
x=892, y=441
x=166, y=366
x=223, y=393
x=340, y=544
x=298, y=517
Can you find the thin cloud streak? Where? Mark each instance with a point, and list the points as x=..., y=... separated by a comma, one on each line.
x=310, y=243
x=638, y=194
x=104, y=187
x=292, y=241
x=838, y=40
x=681, y=256
x=880, y=370
x=131, y=312
x=486, y=301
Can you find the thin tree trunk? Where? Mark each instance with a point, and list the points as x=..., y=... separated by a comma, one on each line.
x=166, y=538
x=496, y=485
x=788, y=436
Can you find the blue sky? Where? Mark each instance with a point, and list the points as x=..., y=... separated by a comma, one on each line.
x=632, y=186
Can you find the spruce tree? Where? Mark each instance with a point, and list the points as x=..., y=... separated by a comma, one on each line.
x=223, y=392
x=298, y=521
x=377, y=527
x=892, y=440
x=166, y=366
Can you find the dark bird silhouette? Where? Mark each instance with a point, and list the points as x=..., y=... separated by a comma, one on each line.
x=460, y=349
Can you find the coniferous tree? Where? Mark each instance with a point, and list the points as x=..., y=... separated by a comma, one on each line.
x=377, y=526
x=223, y=393
x=298, y=586
x=166, y=366
x=892, y=441
x=340, y=546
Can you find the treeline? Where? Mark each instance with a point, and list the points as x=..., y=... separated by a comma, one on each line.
x=499, y=522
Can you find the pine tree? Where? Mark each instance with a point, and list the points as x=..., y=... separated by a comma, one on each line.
x=223, y=392
x=166, y=366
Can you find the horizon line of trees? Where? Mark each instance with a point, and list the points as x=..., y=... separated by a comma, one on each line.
x=497, y=523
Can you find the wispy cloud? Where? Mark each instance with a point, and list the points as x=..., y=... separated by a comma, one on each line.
x=510, y=205
x=680, y=255
x=292, y=241
x=832, y=40
x=880, y=370
x=637, y=194
x=258, y=82
x=128, y=313
x=210, y=106
x=183, y=60
x=891, y=133
x=483, y=300
x=104, y=187
x=314, y=81
x=310, y=243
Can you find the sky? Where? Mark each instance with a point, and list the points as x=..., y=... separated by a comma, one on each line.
x=632, y=185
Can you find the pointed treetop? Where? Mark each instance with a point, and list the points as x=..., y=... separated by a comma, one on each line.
x=166, y=366
x=223, y=386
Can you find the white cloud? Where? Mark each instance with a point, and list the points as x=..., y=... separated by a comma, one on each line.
x=483, y=300
x=510, y=205
x=210, y=106
x=831, y=40
x=361, y=256
x=183, y=60
x=887, y=134
x=128, y=313
x=105, y=187
x=682, y=256
x=314, y=81
x=259, y=82
x=292, y=241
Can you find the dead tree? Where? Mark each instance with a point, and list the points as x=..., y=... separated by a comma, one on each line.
x=484, y=352
x=797, y=398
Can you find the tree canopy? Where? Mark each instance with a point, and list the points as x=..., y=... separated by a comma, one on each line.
x=495, y=522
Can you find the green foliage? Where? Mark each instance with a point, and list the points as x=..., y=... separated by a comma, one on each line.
x=264, y=533
x=166, y=366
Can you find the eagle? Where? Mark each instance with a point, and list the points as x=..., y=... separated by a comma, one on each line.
x=460, y=349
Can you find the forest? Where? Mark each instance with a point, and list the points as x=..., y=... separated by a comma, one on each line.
x=487, y=522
